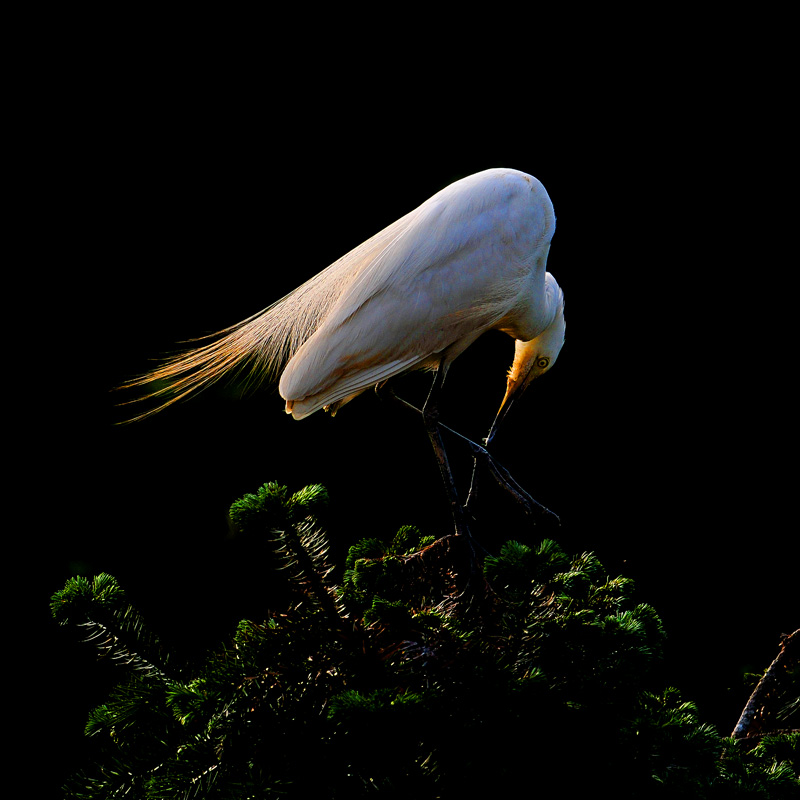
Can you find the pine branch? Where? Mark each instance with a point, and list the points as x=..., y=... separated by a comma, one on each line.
x=305, y=548
x=112, y=624
x=416, y=691
x=110, y=645
x=289, y=522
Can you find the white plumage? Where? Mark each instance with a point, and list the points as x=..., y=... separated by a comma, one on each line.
x=416, y=295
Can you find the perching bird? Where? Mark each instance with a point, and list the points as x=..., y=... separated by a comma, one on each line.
x=470, y=259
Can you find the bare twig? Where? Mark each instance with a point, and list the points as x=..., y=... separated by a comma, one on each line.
x=503, y=477
x=769, y=682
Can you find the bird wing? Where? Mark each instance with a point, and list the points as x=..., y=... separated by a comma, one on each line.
x=451, y=269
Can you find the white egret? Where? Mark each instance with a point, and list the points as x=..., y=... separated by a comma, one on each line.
x=472, y=258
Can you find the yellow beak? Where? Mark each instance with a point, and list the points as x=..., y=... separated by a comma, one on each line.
x=514, y=389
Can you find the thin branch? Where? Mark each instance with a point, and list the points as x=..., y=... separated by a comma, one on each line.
x=498, y=471
x=770, y=680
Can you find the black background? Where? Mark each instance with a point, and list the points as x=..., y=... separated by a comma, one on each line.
x=178, y=179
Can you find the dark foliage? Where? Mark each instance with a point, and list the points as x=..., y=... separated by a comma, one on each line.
x=418, y=673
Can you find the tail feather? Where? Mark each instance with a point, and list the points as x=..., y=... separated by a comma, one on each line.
x=259, y=346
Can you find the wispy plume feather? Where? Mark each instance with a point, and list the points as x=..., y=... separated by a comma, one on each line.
x=261, y=345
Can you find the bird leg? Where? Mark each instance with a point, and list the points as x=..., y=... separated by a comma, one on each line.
x=430, y=417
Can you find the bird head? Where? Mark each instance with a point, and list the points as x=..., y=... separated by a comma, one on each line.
x=531, y=360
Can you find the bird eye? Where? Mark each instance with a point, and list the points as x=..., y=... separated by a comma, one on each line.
x=542, y=362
